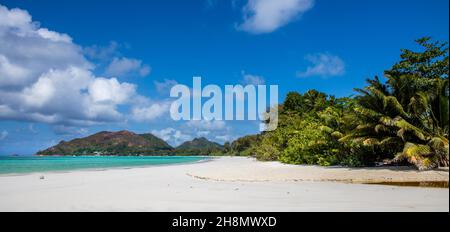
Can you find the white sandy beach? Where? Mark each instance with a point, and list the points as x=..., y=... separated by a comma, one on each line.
x=223, y=184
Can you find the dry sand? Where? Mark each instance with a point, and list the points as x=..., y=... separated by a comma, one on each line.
x=223, y=184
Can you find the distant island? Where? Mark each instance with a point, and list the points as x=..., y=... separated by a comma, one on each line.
x=126, y=143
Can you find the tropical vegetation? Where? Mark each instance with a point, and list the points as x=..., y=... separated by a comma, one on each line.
x=400, y=119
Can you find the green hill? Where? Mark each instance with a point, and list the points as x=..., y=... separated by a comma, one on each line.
x=126, y=143
x=122, y=143
x=199, y=146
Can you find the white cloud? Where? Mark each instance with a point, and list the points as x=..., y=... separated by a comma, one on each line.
x=27, y=51
x=16, y=73
x=207, y=125
x=150, y=113
x=127, y=66
x=164, y=134
x=323, y=65
x=203, y=133
x=172, y=136
x=193, y=129
x=14, y=18
x=212, y=130
x=112, y=62
x=180, y=137
x=249, y=79
x=54, y=36
x=45, y=77
x=70, y=130
x=145, y=71
x=110, y=91
x=72, y=96
x=3, y=135
x=163, y=87
x=265, y=16
x=102, y=52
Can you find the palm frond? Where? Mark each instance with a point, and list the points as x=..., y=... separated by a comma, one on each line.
x=419, y=155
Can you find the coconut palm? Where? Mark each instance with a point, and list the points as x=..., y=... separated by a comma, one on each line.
x=410, y=112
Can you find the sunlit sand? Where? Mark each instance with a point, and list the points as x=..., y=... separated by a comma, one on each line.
x=223, y=184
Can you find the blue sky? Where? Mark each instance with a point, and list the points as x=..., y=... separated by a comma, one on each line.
x=147, y=46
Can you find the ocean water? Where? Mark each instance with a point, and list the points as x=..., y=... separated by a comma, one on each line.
x=33, y=164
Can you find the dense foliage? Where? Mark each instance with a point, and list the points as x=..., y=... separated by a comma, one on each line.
x=401, y=119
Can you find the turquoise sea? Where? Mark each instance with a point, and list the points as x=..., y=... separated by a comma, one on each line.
x=31, y=164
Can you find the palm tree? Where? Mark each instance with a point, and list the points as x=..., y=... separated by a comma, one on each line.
x=410, y=112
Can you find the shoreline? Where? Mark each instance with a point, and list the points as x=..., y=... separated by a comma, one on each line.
x=204, y=159
x=222, y=175
x=276, y=171
x=172, y=188
x=410, y=173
